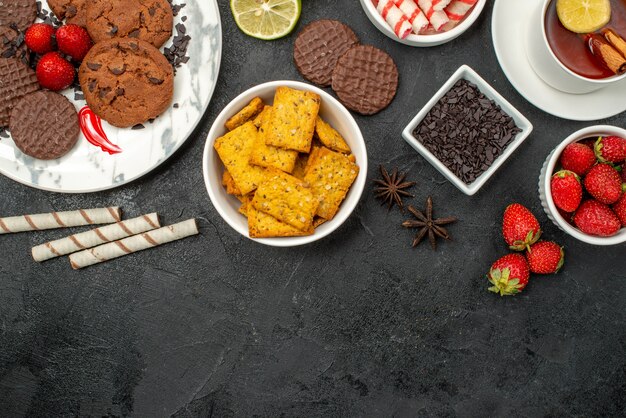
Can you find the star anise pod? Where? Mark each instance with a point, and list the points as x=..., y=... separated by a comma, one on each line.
x=392, y=187
x=427, y=225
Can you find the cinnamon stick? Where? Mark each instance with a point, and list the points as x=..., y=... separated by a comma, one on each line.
x=617, y=41
x=606, y=54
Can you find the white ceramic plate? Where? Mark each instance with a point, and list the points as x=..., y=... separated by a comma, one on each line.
x=508, y=27
x=87, y=168
x=423, y=40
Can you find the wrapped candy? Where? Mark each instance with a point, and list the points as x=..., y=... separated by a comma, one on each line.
x=457, y=10
x=417, y=18
x=398, y=21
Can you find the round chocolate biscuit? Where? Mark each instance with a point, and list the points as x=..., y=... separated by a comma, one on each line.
x=12, y=45
x=319, y=46
x=16, y=80
x=148, y=20
x=365, y=79
x=44, y=125
x=74, y=11
x=21, y=13
x=126, y=81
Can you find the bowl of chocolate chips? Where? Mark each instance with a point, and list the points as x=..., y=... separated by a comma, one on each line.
x=467, y=130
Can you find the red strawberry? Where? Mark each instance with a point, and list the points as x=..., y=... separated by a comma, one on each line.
x=578, y=157
x=589, y=142
x=39, y=38
x=509, y=275
x=54, y=72
x=567, y=192
x=595, y=218
x=520, y=228
x=604, y=183
x=620, y=209
x=545, y=257
x=611, y=149
x=565, y=215
x=74, y=41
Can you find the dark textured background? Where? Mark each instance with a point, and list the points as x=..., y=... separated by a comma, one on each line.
x=359, y=324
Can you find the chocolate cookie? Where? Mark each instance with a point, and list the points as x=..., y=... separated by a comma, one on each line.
x=318, y=48
x=12, y=45
x=126, y=81
x=74, y=11
x=21, y=13
x=16, y=81
x=44, y=125
x=148, y=20
x=365, y=79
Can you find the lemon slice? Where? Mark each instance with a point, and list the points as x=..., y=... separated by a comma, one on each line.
x=266, y=19
x=583, y=16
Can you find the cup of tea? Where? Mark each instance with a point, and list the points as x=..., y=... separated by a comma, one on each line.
x=573, y=62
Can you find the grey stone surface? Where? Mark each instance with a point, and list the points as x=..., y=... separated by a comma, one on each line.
x=359, y=324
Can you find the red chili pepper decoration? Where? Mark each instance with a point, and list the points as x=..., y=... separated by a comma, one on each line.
x=91, y=125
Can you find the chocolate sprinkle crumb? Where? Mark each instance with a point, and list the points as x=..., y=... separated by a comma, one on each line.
x=176, y=106
x=466, y=131
x=176, y=53
x=4, y=133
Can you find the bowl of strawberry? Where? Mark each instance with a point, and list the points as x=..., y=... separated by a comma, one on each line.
x=582, y=185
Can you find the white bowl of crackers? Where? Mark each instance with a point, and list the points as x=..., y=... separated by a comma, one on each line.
x=285, y=163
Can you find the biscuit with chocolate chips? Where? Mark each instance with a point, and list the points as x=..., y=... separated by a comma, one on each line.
x=148, y=20
x=126, y=81
x=74, y=11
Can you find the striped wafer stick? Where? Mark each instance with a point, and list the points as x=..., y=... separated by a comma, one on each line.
x=437, y=18
x=95, y=237
x=133, y=244
x=417, y=18
x=398, y=21
x=457, y=10
x=59, y=220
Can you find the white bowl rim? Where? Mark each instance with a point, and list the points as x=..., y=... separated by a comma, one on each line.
x=600, y=81
x=590, y=131
x=507, y=107
x=346, y=209
x=425, y=40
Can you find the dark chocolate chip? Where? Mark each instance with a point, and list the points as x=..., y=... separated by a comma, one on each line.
x=118, y=71
x=155, y=80
x=93, y=66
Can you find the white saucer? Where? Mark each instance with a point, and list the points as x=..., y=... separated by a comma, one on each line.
x=508, y=26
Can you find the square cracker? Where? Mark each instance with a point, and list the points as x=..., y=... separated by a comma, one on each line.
x=287, y=199
x=330, y=176
x=330, y=138
x=266, y=155
x=229, y=184
x=245, y=204
x=234, y=150
x=262, y=225
x=293, y=119
x=244, y=115
x=300, y=167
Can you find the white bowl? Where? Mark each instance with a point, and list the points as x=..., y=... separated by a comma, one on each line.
x=465, y=72
x=332, y=112
x=423, y=40
x=545, y=191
